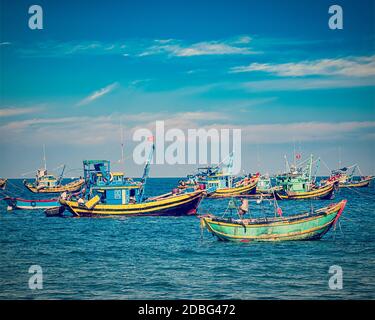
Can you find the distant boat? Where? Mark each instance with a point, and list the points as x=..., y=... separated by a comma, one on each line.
x=315, y=193
x=300, y=183
x=306, y=226
x=3, y=183
x=112, y=194
x=47, y=183
x=347, y=179
x=265, y=187
x=220, y=183
x=19, y=203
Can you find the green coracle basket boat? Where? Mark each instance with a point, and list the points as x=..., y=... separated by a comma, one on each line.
x=307, y=226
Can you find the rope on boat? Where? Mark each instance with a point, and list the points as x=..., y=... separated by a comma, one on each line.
x=325, y=165
x=16, y=186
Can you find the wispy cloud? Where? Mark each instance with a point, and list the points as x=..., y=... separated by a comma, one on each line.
x=13, y=111
x=32, y=131
x=140, y=48
x=97, y=94
x=179, y=49
x=300, y=84
x=5, y=43
x=362, y=66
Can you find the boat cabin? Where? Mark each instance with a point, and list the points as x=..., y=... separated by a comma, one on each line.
x=110, y=187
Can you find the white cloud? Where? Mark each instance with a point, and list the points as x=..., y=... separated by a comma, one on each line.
x=243, y=40
x=299, y=84
x=97, y=94
x=363, y=66
x=6, y=43
x=178, y=49
x=66, y=130
x=13, y=111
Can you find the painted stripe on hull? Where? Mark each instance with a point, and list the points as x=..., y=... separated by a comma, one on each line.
x=24, y=204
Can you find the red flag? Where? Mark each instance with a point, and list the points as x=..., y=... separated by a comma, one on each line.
x=279, y=211
x=298, y=156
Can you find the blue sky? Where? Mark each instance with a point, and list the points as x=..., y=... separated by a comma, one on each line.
x=272, y=68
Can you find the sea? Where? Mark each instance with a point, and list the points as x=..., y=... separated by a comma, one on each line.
x=173, y=258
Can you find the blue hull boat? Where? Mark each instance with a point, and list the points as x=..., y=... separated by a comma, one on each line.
x=18, y=203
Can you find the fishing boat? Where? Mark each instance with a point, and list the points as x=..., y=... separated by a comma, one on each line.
x=19, y=203
x=347, y=179
x=48, y=183
x=326, y=192
x=55, y=212
x=306, y=226
x=3, y=183
x=265, y=187
x=219, y=181
x=300, y=183
x=112, y=194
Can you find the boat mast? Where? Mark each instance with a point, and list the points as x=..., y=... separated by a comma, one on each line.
x=61, y=175
x=122, y=145
x=230, y=169
x=287, y=167
x=310, y=167
x=294, y=153
x=146, y=171
x=44, y=157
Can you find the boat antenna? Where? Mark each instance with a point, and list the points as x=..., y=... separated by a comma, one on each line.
x=287, y=167
x=122, y=144
x=310, y=167
x=294, y=152
x=146, y=169
x=44, y=157
x=339, y=157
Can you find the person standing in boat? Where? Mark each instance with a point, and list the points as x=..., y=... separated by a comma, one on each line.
x=244, y=207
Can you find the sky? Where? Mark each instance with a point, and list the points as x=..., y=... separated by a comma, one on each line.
x=273, y=69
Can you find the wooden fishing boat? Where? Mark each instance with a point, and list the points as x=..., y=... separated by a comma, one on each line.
x=73, y=186
x=18, y=203
x=219, y=181
x=246, y=186
x=112, y=194
x=173, y=205
x=3, y=183
x=265, y=187
x=316, y=193
x=55, y=212
x=347, y=179
x=306, y=226
x=48, y=183
x=300, y=183
x=364, y=182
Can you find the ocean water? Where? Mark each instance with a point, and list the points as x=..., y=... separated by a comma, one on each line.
x=170, y=258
